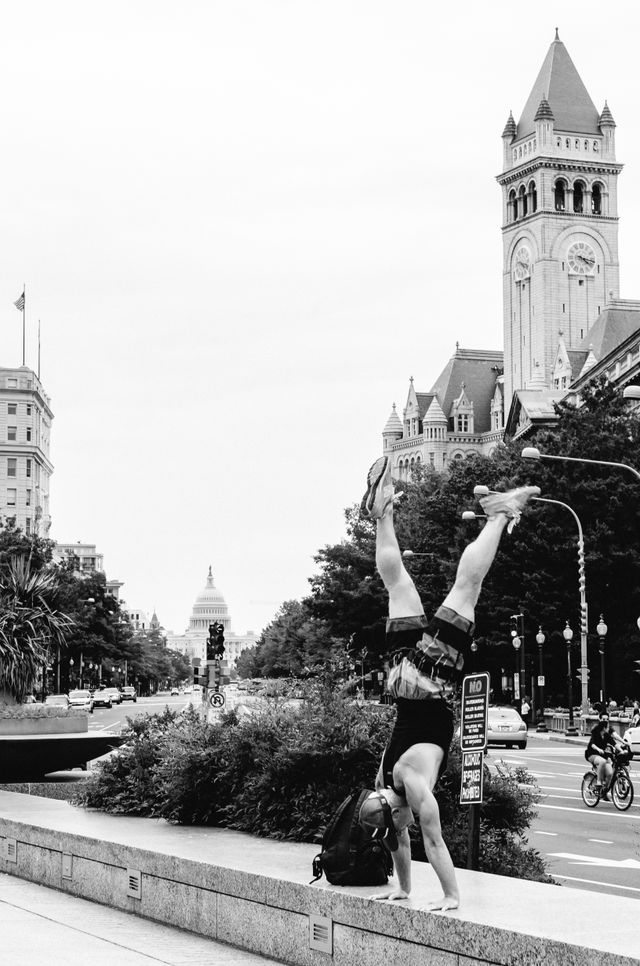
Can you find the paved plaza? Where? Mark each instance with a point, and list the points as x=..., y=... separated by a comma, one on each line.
x=40, y=925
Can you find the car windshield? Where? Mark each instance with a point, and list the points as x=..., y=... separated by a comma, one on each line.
x=79, y=694
x=56, y=699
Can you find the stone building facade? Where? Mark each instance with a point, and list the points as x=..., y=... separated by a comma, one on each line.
x=563, y=319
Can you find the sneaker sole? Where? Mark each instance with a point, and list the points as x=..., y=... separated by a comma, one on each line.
x=369, y=498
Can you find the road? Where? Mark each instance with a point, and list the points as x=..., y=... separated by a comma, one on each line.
x=585, y=848
x=112, y=719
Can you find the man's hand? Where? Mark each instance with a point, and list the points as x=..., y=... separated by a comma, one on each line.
x=392, y=894
x=447, y=902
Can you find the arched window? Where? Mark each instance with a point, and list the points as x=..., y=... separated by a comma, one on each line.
x=578, y=197
x=533, y=194
x=559, y=191
x=596, y=199
x=523, y=201
x=512, y=206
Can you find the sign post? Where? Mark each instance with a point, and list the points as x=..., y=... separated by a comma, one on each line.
x=473, y=741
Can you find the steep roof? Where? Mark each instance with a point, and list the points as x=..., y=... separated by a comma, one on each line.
x=567, y=97
x=618, y=321
x=478, y=369
x=393, y=423
x=577, y=359
x=424, y=401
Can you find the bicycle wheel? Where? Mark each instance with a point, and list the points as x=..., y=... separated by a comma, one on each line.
x=622, y=790
x=589, y=793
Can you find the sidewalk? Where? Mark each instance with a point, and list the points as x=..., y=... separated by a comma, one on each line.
x=40, y=925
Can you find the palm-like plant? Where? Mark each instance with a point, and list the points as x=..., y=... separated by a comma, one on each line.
x=30, y=625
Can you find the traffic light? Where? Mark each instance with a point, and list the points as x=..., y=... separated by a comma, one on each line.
x=584, y=618
x=215, y=641
x=200, y=674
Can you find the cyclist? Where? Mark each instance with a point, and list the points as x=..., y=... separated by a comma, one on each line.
x=600, y=750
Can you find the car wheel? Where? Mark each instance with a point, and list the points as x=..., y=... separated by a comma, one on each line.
x=90, y=710
x=522, y=744
x=109, y=705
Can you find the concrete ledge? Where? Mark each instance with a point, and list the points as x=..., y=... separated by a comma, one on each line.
x=255, y=893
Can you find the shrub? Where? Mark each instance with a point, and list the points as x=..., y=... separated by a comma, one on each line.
x=281, y=772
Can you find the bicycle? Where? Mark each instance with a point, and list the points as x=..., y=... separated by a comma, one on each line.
x=620, y=787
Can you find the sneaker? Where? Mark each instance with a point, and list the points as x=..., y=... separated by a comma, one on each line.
x=379, y=489
x=511, y=503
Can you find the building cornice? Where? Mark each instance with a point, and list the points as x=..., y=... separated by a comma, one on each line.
x=560, y=164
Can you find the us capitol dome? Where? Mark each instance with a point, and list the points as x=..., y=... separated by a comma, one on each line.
x=210, y=607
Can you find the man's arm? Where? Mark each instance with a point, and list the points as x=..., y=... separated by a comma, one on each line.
x=402, y=865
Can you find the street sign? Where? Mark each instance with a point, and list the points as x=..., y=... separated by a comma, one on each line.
x=541, y=680
x=472, y=776
x=217, y=699
x=475, y=704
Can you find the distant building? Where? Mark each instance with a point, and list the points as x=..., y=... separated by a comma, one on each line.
x=89, y=560
x=25, y=435
x=210, y=608
x=138, y=619
x=564, y=322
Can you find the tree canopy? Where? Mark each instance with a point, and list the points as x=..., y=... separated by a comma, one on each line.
x=536, y=569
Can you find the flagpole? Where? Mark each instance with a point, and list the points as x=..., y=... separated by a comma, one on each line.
x=24, y=304
x=38, y=348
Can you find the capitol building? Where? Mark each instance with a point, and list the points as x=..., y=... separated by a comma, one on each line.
x=210, y=608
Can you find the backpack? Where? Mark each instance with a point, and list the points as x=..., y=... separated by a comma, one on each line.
x=350, y=855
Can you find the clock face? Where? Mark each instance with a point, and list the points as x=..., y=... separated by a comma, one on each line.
x=581, y=258
x=522, y=263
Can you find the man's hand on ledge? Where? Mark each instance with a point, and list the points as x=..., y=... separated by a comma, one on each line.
x=392, y=894
x=447, y=902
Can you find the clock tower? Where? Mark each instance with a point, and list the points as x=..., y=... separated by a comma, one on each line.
x=559, y=222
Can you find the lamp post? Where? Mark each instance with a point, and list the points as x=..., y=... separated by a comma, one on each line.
x=584, y=610
x=516, y=674
x=533, y=453
x=540, y=639
x=518, y=635
x=568, y=636
x=71, y=663
x=602, y=634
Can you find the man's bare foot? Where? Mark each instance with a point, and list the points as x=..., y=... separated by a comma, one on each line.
x=447, y=902
x=392, y=894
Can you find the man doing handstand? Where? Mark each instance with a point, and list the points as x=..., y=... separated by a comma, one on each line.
x=433, y=652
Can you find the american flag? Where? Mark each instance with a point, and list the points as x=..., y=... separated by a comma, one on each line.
x=19, y=303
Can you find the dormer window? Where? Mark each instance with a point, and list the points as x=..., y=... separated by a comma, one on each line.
x=462, y=423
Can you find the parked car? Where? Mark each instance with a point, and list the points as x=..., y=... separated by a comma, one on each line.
x=174, y=692
x=59, y=700
x=632, y=735
x=128, y=693
x=81, y=698
x=101, y=699
x=114, y=693
x=506, y=727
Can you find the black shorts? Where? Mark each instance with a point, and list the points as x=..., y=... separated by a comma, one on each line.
x=417, y=722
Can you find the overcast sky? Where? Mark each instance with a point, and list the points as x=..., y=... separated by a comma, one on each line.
x=244, y=225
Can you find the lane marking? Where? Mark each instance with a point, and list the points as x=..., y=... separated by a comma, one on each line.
x=592, y=811
x=540, y=832
x=593, y=860
x=601, y=841
x=609, y=885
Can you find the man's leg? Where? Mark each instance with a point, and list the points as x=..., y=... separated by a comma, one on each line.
x=478, y=556
x=404, y=600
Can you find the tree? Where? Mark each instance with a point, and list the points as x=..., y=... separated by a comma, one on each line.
x=30, y=624
x=293, y=641
x=535, y=571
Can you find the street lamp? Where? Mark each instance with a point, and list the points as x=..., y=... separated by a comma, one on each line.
x=540, y=639
x=568, y=636
x=516, y=674
x=584, y=610
x=631, y=392
x=533, y=453
x=602, y=633
x=70, y=670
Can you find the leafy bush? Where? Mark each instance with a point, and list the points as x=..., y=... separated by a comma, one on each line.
x=281, y=772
